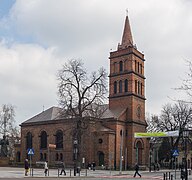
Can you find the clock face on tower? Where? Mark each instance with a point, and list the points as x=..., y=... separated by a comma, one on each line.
x=138, y=111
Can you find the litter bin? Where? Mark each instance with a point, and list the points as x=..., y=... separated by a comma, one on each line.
x=78, y=169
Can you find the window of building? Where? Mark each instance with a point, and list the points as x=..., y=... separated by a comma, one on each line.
x=29, y=140
x=100, y=141
x=141, y=69
x=45, y=157
x=141, y=89
x=120, y=86
x=121, y=132
x=43, y=140
x=138, y=67
x=135, y=86
x=115, y=87
x=59, y=140
x=61, y=157
x=126, y=85
x=138, y=87
x=41, y=156
x=57, y=157
x=120, y=66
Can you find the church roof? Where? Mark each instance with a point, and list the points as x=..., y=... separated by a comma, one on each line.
x=52, y=113
x=113, y=113
x=127, y=39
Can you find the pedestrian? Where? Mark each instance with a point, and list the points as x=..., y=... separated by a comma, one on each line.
x=94, y=165
x=26, y=167
x=89, y=165
x=45, y=168
x=63, y=168
x=136, y=170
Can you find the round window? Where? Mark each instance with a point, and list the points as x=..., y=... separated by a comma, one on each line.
x=100, y=141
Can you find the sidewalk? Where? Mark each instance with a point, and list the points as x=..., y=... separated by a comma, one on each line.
x=11, y=172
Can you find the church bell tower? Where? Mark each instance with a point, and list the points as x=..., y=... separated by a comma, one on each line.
x=127, y=91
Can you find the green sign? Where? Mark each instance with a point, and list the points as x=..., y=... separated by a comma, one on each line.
x=156, y=134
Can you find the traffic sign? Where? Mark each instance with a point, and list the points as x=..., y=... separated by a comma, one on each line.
x=175, y=152
x=30, y=151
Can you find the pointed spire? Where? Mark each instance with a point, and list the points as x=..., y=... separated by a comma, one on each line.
x=127, y=39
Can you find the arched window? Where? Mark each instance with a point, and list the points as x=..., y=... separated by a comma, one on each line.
x=120, y=66
x=43, y=143
x=57, y=157
x=115, y=87
x=141, y=69
x=138, y=87
x=101, y=158
x=41, y=156
x=138, y=67
x=139, y=152
x=120, y=86
x=61, y=157
x=126, y=85
x=45, y=157
x=59, y=140
x=135, y=86
x=29, y=140
x=141, y=89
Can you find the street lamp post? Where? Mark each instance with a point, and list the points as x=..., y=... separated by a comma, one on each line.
x=75, y=154
x=150, y=154
x=185, y=136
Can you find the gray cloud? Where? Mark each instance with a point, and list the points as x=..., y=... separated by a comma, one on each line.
x=44, y=34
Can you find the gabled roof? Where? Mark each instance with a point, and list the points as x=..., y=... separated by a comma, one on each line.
x=50, y=114
x=55, y=113
x=113, y=113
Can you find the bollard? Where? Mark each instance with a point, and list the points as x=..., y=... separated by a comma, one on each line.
x=58, y=172
x=171, y=176
x=189, y=171
x=86, y=172
x=164, y=176
x=32, y=171
x=70, y=172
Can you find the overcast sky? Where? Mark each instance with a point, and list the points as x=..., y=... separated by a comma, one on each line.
x=38, y=36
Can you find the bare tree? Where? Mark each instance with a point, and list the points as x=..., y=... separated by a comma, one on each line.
x=173, y=117
x=8, y=126
x=7, y=120
x=80, y=95
x=187, y=83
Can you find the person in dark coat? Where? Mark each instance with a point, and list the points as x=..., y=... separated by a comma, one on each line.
x=62, y=168
x=136, y=170
x=26, y=167
x=94, y=165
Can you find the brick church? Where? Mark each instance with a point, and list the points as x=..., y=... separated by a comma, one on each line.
x=112, y=138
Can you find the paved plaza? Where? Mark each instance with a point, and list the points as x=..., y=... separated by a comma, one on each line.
x=13, y=173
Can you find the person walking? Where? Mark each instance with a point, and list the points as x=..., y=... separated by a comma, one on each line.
x=136, y=170
x=26, y=167
x=45, y=168
x=63, y=168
